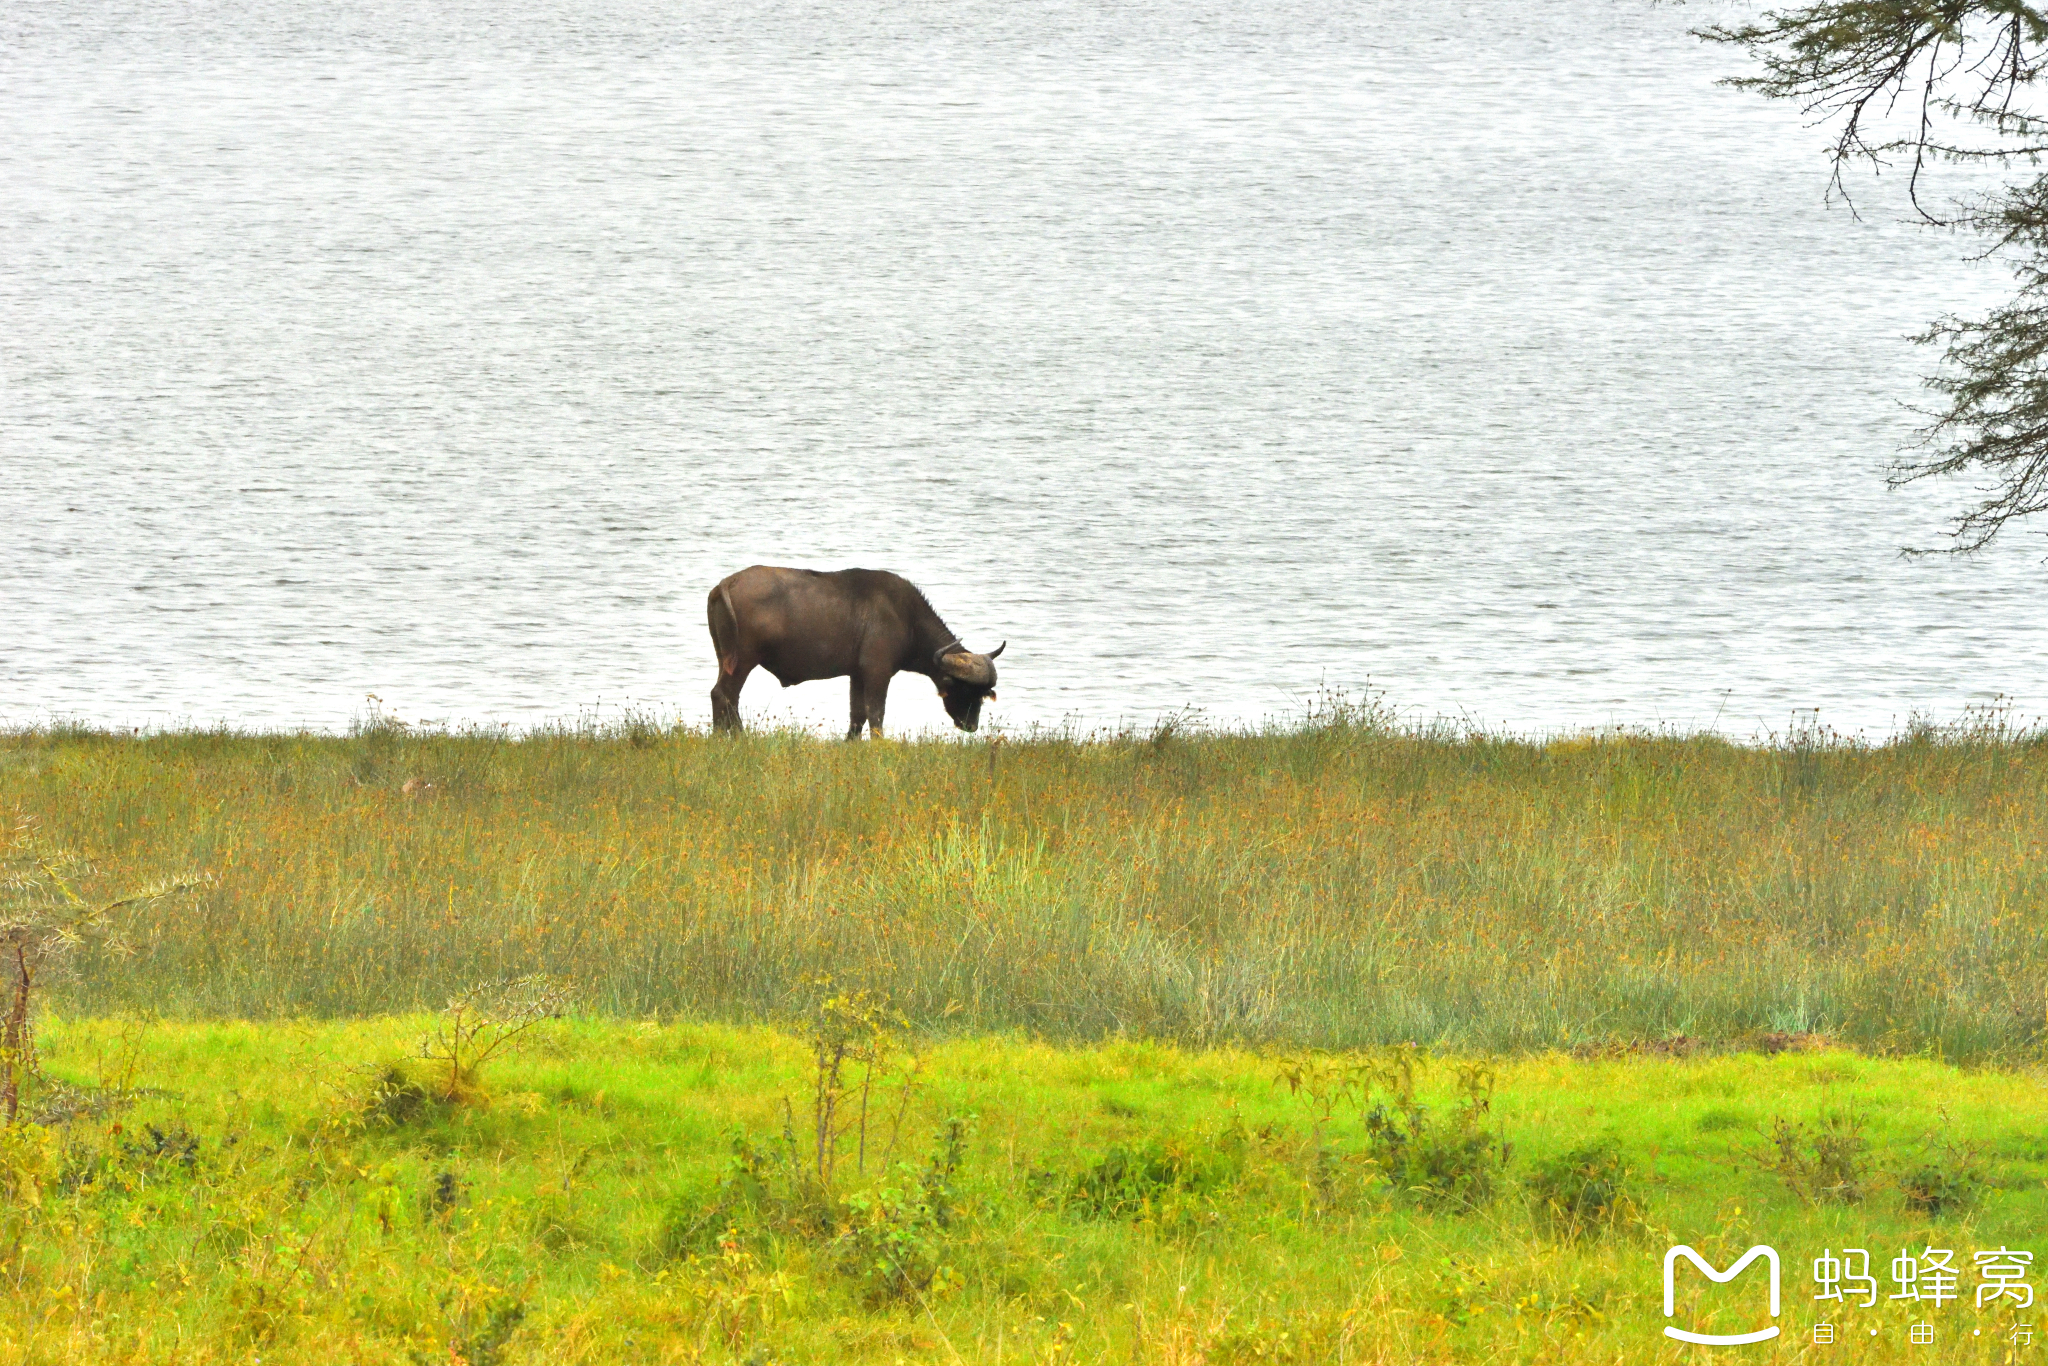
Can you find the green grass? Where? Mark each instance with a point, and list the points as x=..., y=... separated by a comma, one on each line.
x=1342, y=884
x=241, y=1210
x=1659, y=989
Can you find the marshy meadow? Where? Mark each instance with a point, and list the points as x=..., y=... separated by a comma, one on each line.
x=1339, y=1042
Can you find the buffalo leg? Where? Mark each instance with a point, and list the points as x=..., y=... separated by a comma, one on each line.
x=867, y=698
x=878, y=702
x=725, y=700
x=876, y=692
x=856, y=707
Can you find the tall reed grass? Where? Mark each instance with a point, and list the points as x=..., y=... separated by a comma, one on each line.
x=1344, y=882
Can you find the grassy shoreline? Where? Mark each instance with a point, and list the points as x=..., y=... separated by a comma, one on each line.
x=1343, y=884
x=1593, y=998
x=250, y=1206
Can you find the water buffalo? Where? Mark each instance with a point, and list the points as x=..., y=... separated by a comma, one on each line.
x=869, y=624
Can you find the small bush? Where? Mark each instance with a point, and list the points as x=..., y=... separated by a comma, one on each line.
x=764, y=1190
x=488, y=1020
x=1585, y=1190
x=443, y=1194
x=1935, y=1190
x=736, y=1295
x=1821, y=1163
x=791, y=1186
x=894, y=1241
x=116, y=1158
x=176, y=1147
x=479, y=1334
x=486, y=1345
x=1130, y=1180
x=31, y=1159
x=891, y=1239
x=393, y=1097
x=47, y=911
x=1450, y=1160
x=1327, y=1082
x=1947, y=1178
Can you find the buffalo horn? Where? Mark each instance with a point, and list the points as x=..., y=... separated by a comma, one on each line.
x=969, y=668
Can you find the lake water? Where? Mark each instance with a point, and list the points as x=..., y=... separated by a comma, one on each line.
x=1210, y=353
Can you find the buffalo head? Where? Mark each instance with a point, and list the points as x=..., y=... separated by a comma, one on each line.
x=965, y=680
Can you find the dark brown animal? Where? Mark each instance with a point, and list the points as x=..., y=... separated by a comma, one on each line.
x=866, y=624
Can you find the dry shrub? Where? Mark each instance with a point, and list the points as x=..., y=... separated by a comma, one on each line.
x=1945, y=1178
x=1823, y=1162
x=46, y=916
x=487, y=1021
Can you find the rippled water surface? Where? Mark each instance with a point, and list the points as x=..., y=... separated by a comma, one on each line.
x=1210, y=353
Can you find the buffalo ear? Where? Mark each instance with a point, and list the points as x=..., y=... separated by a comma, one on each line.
x=991, y=694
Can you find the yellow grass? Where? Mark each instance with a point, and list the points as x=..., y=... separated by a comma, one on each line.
x=1339, y=884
